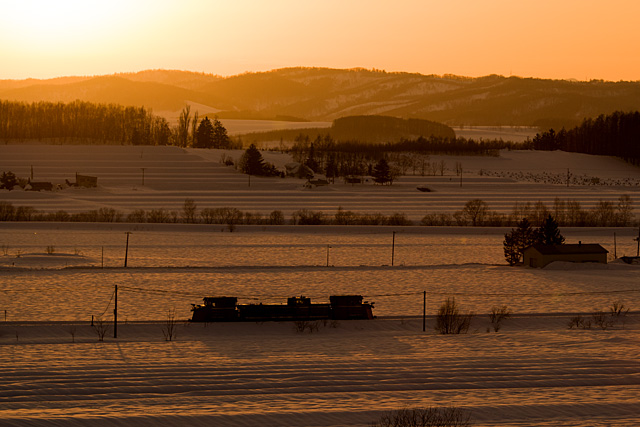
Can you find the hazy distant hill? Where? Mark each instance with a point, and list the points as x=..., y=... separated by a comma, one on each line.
x=322, y=94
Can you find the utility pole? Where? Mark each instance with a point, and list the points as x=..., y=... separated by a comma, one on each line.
x=115, y=314
x=126, y=251
x=637, y=239
x=568, y=176
x=328, y=247
x=143, y=176
x=424, y=311
x=393, y=247
x=615, y=255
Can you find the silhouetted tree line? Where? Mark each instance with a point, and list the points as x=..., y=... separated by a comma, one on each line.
x=231, y=217
x=570, y=213
x=344, y=158
x=85, y=121
x=616, y=134
x=475, y=212
x=91, y=123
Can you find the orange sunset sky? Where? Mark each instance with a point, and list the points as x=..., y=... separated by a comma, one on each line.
x=560, y=39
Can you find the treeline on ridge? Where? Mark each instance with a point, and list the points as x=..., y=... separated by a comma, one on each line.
x=372, y=129
x=353, y=158
x=83, y=122
x=616, y=134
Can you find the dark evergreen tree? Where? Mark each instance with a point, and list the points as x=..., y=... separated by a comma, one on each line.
x=381, y=172
x=548, y=233
x=251, y=161
x=220, y=137
x=517, y=240
x=8, y=180
x=204, y=134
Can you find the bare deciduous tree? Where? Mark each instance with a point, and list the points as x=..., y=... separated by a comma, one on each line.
x=189, y=209
x=475, y=210
x=169, y=327
x=101, y=327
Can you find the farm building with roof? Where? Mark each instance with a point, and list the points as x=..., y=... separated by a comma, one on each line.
x=539, y=256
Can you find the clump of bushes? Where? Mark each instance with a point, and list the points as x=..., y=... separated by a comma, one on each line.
x=497, y=315
x=603, y=319
x=425, y=417
x=450, y=320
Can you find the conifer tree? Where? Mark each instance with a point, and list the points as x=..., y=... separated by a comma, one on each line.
x=382, y=172
x=548, y=233
x=204, y=134
x=517, y=240
x=220, y=137
x=252, y=162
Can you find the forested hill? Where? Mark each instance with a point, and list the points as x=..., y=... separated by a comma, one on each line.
x=372, y=129
x=322, y=94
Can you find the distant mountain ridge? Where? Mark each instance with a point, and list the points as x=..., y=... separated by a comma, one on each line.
x=322, y=94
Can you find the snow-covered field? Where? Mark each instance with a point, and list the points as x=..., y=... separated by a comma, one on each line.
x=534, y=372
x=173, y=174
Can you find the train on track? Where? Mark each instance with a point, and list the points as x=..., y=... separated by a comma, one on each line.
x=227, y=309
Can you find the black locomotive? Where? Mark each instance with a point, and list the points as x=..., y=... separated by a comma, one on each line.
x=227, y=309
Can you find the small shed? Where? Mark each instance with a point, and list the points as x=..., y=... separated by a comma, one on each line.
x=539, y=256
x=39, y=186
x=86, y=181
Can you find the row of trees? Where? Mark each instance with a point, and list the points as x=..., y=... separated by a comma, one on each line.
x=612, y=135
x=108, y=124
x=474, y=213
x=189, y=214
x=201, y=133
x=85, y=121
x=346, y=158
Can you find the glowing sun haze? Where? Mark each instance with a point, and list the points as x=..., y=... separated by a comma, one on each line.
x=582, y=39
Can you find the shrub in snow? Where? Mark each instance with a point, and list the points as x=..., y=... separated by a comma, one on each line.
x=425, y=417
x=579, y=322
x=497, y=315
x=450, y=320
x=169, y=327
x=101, y=328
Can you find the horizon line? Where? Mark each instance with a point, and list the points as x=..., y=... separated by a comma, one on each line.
x=373, y=70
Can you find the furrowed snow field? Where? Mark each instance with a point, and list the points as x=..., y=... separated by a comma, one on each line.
x=172, y=175
x=534, y=372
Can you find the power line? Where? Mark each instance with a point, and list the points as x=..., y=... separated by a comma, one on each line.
x=111, y=299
